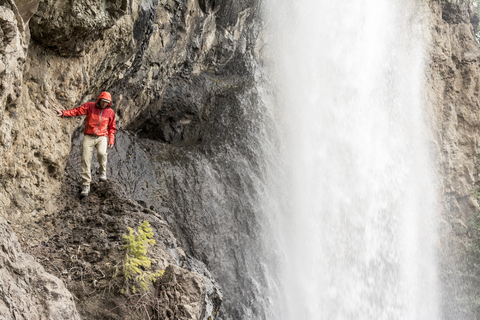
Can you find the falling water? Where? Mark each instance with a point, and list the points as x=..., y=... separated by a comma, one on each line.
x=357, y=234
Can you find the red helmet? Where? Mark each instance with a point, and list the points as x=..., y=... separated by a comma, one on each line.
x=105, y=96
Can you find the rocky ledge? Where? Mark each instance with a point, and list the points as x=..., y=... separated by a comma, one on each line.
x=83, y=246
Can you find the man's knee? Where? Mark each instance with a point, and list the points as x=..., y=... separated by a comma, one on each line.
x=102, y=153
x=102, y=157
x=102, y=149
x=87, y=150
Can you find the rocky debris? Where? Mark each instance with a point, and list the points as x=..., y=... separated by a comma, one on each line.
x=83, y=246
x=26, y=290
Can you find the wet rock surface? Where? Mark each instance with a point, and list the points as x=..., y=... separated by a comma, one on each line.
x=452, y=96
x=27, y=291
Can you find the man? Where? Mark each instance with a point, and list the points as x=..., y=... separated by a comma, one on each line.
x=99, y=124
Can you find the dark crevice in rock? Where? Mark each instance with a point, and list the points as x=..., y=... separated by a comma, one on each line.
x=142, y=31
x=208, y=6
x=456, y=13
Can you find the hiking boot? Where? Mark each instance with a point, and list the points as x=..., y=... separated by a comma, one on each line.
x=85, y=191
x=103, y=177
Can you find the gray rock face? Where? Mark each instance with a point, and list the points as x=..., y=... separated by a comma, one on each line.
x=26, y=290
x=452, y=95
x=12, y=53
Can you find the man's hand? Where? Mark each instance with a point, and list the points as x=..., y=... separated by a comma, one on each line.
x=110, y=146
x=59, y=112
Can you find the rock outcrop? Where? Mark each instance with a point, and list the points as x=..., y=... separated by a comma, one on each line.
x=182, y=294
x=27, y=291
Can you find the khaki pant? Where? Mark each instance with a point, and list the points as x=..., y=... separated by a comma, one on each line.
x=89, y=144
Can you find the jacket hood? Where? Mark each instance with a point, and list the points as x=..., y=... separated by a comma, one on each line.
x=105, y=95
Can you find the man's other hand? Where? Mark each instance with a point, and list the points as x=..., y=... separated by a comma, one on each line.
x=110, y=146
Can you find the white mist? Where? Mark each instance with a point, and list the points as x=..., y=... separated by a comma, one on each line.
x=356, y=235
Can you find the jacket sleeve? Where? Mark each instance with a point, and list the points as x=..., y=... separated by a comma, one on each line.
x=112, y=128
x=79, y=111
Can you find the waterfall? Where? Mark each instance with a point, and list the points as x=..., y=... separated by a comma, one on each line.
x=356, y=234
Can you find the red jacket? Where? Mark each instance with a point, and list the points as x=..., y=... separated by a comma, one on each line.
x=99, y=122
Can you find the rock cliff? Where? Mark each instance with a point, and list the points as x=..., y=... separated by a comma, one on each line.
x=452, y=100
x=452, y=96
x=180, y=72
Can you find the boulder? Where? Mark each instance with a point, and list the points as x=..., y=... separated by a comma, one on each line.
x=27, y=292
x=182, y=294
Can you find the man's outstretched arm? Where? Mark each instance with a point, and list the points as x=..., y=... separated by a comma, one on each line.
x=79, y=111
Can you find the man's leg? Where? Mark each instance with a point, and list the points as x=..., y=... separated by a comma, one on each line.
x=102, y=154
x=87, y=154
